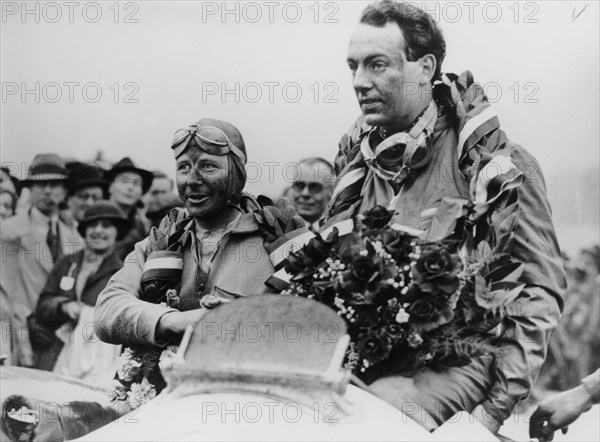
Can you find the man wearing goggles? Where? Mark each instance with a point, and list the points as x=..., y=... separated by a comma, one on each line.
x=419, y=149
x=213, y=246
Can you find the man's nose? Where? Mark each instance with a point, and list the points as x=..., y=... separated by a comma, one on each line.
x=361, y=79
x=195, y=176
x=305, y=191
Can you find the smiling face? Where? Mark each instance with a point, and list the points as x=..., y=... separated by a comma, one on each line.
x=311, y=190
x=100, y=235
x=391, y=90
x=126, y=189
x=202, y=186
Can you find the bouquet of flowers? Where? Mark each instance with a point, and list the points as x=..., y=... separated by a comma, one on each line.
x=131, y=382
x=408, y=303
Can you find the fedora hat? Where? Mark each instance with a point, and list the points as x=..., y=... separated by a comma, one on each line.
x=126, y=165
x=105, y=210
x=46, y=167
x=83, y=175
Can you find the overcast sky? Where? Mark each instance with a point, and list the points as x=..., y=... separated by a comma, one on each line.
x=277, y=71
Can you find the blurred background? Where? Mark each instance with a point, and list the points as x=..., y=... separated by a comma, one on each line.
x=118, y=79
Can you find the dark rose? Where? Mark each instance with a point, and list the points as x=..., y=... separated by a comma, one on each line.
x=437, y=270
x=374, y=347
x=428, y=311
x=363, y=268
x=295, y=263
x=396, y=244
x=317, y=250
x=365, y=315
x=394, y=331
x=362, y=272
x=377, y=217
x=312, y=254
x=425, y=310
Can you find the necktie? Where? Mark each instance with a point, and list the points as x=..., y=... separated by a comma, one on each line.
x=53, y=240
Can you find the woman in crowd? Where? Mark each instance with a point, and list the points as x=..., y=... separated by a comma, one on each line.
x=9, y=192
x=67, y=302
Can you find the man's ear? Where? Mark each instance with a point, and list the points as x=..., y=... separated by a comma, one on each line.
x=428, y=65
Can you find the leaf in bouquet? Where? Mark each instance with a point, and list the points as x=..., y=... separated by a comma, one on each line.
x=510, y=291
x=157, y=240
x=482, y=293
x=303, y=274
x=504, y=272
x=283, y=203
x=270, y=215
x=264, y=201
x=482, y=254
x=350, y=246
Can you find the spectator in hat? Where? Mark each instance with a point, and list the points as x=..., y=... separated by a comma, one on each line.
x=161, y=185
x=207, y=242
x=33, y=241
x=86, y=186
x=160, y=206
x=127, y=184
x=68, y=299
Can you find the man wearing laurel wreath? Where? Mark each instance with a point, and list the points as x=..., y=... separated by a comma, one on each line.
x=429, y=147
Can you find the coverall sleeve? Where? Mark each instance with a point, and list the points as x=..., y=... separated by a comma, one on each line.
x=120, y=317
x=535, y=313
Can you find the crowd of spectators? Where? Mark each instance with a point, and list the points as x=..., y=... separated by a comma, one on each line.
x=67, y=228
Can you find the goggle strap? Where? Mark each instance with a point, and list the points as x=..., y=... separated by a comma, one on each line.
x=237, y=152
x=426, y=120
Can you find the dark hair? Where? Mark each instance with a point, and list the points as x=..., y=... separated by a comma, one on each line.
x=13, y=199
x=420, y=31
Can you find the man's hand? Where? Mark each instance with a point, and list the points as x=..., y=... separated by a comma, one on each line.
x=486, y=419
x=210, y=301
x=558, y=411
x=173, y=324
x=72, y=310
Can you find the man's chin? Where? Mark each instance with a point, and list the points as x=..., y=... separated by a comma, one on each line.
x=200, y=213
x=373, y=119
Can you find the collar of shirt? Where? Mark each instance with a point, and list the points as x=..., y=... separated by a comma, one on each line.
x=313, y=227
x=207, y=241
